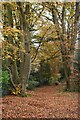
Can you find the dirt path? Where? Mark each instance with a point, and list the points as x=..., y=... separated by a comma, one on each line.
x=44, y=102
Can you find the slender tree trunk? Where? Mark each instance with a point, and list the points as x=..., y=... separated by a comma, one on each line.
x=25, y=57
x=76, y=35
x=76, y=63
x=8, y=22
x=14, y=63
x=64, y=50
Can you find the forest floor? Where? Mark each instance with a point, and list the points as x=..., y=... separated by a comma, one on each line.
x=44, y=102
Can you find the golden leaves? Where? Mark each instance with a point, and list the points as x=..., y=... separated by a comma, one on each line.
x=17, y=90
x=11, y=31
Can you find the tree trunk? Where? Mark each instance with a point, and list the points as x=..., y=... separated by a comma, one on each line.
x=25, y=57
x=76, y=35
x=10, y=38
x=64, y=50
x=8, y=22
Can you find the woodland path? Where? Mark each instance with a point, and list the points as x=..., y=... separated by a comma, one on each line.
x=44, y=102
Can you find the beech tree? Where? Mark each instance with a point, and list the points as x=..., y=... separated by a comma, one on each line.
x=59, y=18
x=16, y=44
x=76, y=61
x=63, y=17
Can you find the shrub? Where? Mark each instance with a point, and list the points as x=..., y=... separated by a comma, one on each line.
x=5, y=83
x=74, y=86
x=53, y=81
x=5, y=77
x=32, y=85
x=44, y=73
